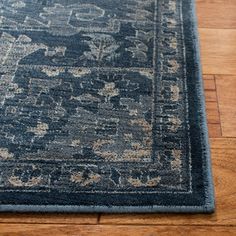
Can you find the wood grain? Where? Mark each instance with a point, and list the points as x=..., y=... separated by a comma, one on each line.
x=226, y=91
x=209, y=84
x=213, y=115
x=106, y=230
x=223, y=143
x=216, y=13
x=210, y=96
x=40, y=218
x=224, y=169
x=208, y=77
x=214, y=130
x=218, y=51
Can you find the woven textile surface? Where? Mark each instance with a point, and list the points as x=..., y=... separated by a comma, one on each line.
x=102, y=108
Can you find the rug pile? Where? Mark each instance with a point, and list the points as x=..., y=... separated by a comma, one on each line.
x=102, y=108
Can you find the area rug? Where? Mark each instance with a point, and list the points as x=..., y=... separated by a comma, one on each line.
x=102, y=107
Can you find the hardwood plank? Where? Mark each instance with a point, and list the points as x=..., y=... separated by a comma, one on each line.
x=226, y=91
x=208, y=77
x=210, y=96
x=209, y=84
x=218, y=51
x=211, y=99
x=216, y=13
x=213, y=116
x=224, y=169
x=214, y=130
x=41, y=218
x=223, y=143
x=105, y=230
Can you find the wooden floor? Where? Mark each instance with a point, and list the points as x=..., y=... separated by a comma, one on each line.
x=217, y=27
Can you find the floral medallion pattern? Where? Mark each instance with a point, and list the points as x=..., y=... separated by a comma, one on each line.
x=93, y=98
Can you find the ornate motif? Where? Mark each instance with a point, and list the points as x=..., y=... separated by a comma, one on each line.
x=92, y=96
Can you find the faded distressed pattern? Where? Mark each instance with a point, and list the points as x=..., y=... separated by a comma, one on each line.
x=93, y=97
x=80, y=84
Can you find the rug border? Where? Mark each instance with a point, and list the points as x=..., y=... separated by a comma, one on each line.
x=209, y=207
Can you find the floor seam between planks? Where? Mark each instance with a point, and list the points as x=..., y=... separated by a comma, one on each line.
x=114, y=224
x=218, y=106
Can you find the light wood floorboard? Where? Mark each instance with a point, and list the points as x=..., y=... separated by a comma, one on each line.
x=107, y=230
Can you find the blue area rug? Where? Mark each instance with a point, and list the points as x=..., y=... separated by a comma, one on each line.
x=102, y=107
